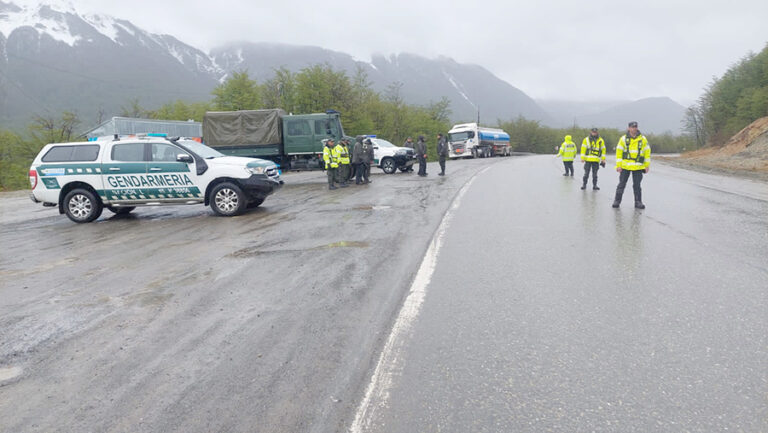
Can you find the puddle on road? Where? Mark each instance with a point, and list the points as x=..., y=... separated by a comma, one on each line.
x=9, y=373
x=371, y=207
x=343, y=244
x=38, y=269
x=253, y=252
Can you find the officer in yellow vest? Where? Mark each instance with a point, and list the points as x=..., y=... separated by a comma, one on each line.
x=633, y=157
x=593, y=156
x=568, y=151
x=344, y=159
x=341, y=156
x=331, y=161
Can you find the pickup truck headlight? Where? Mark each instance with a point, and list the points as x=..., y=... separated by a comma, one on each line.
x=256, y=170
x=401, y=152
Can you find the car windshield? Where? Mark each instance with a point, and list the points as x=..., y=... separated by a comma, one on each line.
x=199, y=148
x=383, y=143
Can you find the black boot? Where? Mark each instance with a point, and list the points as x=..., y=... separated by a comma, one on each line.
x=595, y=187
x=639, y=200
x=617, y=200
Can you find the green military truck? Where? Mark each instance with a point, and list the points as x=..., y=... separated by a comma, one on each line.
x=292, y=141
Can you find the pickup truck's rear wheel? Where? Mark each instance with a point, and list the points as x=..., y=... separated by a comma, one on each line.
x=82, y=206
x=388, y=165
x=227, y=199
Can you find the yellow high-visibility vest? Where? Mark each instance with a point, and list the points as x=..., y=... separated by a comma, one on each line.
x=330, y=157
x=593, y=150
x=633, y=153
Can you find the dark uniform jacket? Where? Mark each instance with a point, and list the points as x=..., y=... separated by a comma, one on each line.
x=421, y=148
x=357, y=152
x=367, y=152
x=442, y=147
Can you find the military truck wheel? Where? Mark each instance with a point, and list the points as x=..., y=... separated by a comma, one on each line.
x=388, y=165
x=81, y=206
x=227, y=199
x=121, y=210
x=256, y=203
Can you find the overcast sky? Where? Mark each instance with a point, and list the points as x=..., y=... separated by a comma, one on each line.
x=560, y=49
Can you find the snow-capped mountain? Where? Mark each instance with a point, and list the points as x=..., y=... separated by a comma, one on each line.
x=62, y=24
x=53, y=58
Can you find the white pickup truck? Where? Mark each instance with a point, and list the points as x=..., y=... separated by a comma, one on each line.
x=119, y=174
x=389, y=157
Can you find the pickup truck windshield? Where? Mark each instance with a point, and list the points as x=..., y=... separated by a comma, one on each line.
x=202, y=150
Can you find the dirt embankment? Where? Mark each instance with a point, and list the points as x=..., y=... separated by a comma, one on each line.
x=745, y=154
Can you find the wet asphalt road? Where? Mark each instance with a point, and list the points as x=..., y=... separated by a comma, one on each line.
x=547, y=309
x=172, y=319
x=550, y=311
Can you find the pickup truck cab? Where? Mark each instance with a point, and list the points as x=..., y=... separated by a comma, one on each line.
x=147, y=170
x=389, y=157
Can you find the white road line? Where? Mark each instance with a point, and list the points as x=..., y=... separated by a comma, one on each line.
x=390, y=363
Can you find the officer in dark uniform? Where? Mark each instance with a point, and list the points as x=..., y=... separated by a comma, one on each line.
x=421, y=153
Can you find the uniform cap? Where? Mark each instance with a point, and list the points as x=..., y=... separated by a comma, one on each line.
x=594, y=129
x=632, y=123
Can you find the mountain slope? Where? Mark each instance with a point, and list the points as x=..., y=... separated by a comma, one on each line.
x=54, y=61
x=654, y=115
x=423, y=80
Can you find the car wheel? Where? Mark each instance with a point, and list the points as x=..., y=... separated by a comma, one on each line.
x=123, y=210
x=388, y=165
x=255, y=203
x=227, y=199
x=81, y=206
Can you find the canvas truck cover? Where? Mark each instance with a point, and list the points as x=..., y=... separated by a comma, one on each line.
x=242, y=128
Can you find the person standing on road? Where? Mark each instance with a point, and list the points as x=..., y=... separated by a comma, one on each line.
x=409, y=144
x=344, y=160
x=421, y=153
x=331, y=163
x=367, y=159
x=357, y=159
x=633, y=157
x=568, y=152
x=593, y=156
x=442, y=152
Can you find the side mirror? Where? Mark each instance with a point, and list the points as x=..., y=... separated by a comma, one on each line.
x=471, y=134
x=183, y=157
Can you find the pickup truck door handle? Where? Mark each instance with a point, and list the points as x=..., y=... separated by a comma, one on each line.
x=155, y=169
x=114, y=168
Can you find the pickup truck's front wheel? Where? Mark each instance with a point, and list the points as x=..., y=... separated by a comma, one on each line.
x=388, y=165
x=227, y=199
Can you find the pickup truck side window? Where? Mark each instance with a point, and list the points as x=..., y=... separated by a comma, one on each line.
x=165, y=152
x=72, y=153
x=128, y=152
x=297, y=127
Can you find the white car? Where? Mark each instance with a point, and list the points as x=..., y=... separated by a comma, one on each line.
x=389, y=157
x=119, y=174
